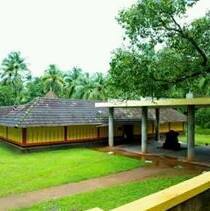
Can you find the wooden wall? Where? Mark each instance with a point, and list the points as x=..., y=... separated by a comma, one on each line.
x=79, y=132
x=11, y=133
x=15, y=134
x=103, y=132
x=164, y=128
x=44, y=134
x=71, y=134
x=3, y=131
x=177, y=126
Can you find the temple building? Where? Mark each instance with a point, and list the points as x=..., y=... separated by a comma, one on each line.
x=51, y=120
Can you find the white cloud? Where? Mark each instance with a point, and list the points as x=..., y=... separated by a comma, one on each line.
x=65, y=32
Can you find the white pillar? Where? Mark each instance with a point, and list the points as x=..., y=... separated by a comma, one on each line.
x=190, y=132
x=144, y=130
x=111, y=127
x=157, y=124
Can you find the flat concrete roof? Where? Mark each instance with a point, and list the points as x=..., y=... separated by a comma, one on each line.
x=170, y=102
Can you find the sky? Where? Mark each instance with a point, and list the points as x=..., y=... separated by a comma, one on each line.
x=68, y=33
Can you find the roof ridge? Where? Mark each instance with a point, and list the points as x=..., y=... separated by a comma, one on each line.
x=29, y=109
x=51, y=95
x=71, y=99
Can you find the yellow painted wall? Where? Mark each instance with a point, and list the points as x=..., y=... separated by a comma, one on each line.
x=177, y=126
x=137, y=129
x=15, y=134
x=3, y=131
x=45, y=134
x=76, y=133
x=79, y=132
x=118, y=131
x=103, y=132
x=164, y=127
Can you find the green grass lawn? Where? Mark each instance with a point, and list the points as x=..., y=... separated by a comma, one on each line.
x=108, y=198
x=202, y=136
x=23, y=172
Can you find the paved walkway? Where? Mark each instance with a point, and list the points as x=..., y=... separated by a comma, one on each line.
x=27, y=199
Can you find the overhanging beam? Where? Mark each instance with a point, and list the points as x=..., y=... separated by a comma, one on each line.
x=152, y=103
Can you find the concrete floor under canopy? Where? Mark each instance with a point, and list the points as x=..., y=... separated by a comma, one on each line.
x=202, y=153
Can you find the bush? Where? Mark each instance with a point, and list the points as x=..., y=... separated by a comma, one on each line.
x=203, y=117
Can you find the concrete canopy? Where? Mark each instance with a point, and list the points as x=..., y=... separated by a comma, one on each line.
x=152, y=103
x=147, y=103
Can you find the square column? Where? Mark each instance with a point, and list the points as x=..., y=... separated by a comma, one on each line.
x=190, y=132
x=144, y=129
x=111, y=127
x=157, y=124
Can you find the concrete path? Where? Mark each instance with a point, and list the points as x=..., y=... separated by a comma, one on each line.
x=27, y=199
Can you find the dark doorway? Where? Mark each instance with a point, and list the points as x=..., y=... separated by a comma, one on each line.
x=128, y=133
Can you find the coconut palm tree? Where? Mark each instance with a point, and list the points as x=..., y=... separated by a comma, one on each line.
x=100, y=90
x=14, y=72
x=53, y=79
x=92, y=87
x=72, y=81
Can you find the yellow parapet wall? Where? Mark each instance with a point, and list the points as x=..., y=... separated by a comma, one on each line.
x=170, y=197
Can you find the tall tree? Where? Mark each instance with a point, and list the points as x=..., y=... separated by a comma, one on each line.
x=53, y=79
x=7, y=96
x=164, y=51
x=34, y=88
x=14, y=72
x=100, y=90
x=92, y=87
x=72, y=81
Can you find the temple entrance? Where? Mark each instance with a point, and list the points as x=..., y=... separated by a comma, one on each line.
x=128, y=133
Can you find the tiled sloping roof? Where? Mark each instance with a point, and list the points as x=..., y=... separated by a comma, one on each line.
x=53, y=111
x=5, y=110
x=169, y=115
x=166, y=114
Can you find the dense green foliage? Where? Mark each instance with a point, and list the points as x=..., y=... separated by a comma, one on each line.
x=24, y=172
x=203, y=117
x=165, y=56
x=202, y=136
x=109, y=198
x=17, y=86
